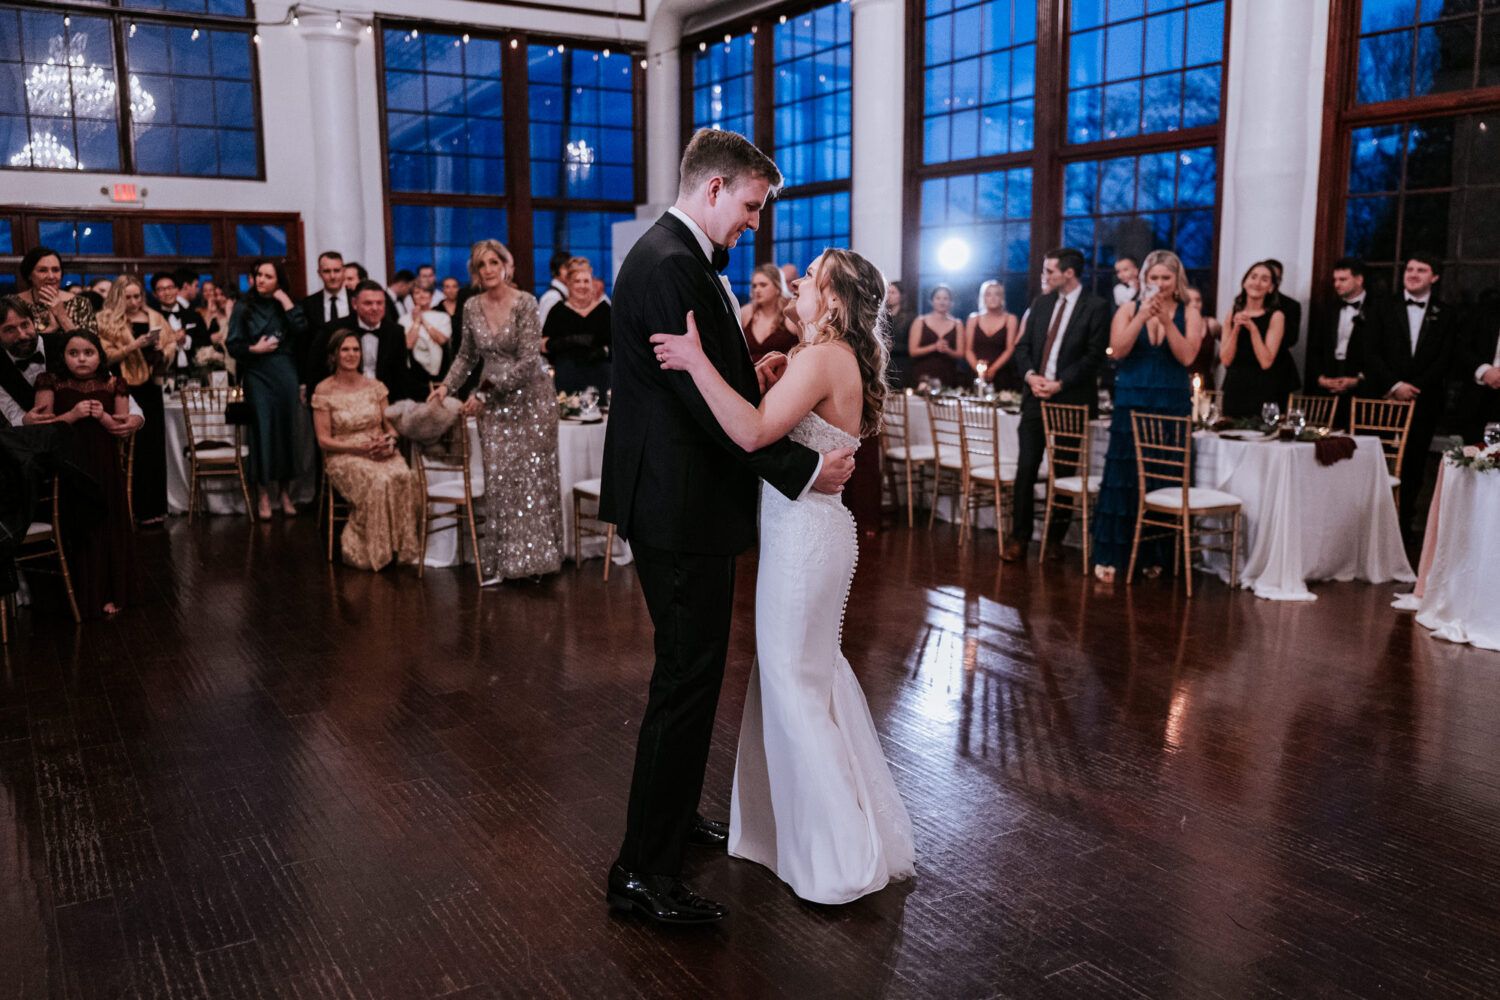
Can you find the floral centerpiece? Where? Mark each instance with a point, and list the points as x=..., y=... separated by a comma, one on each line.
x=207, y=360
x=568, y=405
x=1472, y=456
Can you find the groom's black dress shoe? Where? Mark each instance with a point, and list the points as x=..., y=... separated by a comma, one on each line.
x=709, y=833
x=659, y=897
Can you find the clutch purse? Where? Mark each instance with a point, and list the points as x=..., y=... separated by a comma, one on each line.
x=238, y=412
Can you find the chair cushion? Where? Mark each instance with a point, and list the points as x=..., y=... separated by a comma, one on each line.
x=1392, y=481
x=588, y=487
x=1199, y=498
x=987, y=472
x=951, y=460
x=1074, y=484
x=37, y=531
x=918, y=453
x=453, y=490
x=221, y=454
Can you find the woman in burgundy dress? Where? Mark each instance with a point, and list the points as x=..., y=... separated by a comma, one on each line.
x=934, y=341
x=100, y=551
x=991, y=337
x=767, y=326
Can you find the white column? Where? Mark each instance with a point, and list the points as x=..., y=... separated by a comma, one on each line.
x=1273, y=133
x=338, y=222
x=663, y=107
x=877, y=153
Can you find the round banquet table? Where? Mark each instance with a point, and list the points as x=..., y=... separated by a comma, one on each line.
x=1460, y=575
x=1303, y=521
x=222, y=494
x=580, y=456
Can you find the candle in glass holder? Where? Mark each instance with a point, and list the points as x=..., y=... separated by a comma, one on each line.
x=1198, y=414
x=980, y=386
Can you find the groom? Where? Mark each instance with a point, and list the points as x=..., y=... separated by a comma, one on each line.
x=685, y=497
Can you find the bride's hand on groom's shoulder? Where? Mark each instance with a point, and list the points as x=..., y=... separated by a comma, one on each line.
x=680, y=353
x=769, y=369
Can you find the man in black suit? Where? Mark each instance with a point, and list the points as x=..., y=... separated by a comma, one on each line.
x=1336, y=336
x=685, y=496
x=381, y=339
x=23, y=356
x=1408, y=356
x=1060, y=350
x=1479, y=370
x=183, y=318
x=323, y=310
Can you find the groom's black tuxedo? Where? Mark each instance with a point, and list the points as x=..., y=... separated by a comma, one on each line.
x=684, y=495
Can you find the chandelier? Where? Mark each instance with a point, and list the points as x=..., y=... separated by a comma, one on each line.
x=45, y=151
x=68, y=86
x=579, y=153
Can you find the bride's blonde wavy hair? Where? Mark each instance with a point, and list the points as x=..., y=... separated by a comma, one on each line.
x=853, y=292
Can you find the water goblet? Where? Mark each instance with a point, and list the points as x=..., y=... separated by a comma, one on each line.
x=1491, y=434
x=1296, y=419
x=1270, y=414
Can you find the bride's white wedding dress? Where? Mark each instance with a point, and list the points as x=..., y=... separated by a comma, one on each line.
x=813, y=799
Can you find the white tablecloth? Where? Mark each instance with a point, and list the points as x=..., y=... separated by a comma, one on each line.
x=1461, y=572
x=222, y=494
x=1304, y=521
x=580, y=456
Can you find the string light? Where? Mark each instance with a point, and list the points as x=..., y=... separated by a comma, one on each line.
x=702, y=46
x=369, y=29
x=294, y=20
x=195, y=34
x=512, y=43
x=466, y=38
x=338, y=22
x=255, y=38
x=606, y=53
x=560, y=47
x=645, y=64
x=132, y=29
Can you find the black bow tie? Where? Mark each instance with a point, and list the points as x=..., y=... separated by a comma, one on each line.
x=35, y=361
x=720, y=259
x=1414, y=302
x=1352, y=305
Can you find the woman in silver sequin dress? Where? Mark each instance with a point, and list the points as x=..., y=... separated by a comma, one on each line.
x=517, y=409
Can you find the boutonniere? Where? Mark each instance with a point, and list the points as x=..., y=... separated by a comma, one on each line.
x=1432, y=311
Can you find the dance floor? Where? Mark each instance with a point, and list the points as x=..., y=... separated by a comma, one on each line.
x=287, y=779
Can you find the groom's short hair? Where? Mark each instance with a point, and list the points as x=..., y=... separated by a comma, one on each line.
x=714, y=152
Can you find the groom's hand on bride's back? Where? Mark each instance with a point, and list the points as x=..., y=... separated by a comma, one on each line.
x=838, y=466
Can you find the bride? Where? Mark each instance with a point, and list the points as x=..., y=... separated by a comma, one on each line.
x=813, y=796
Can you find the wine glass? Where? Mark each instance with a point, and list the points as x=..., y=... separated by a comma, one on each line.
x=1491, y=434
x=1270, y=414
x=1296, y=419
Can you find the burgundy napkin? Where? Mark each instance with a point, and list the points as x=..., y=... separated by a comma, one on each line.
x=1334, y=448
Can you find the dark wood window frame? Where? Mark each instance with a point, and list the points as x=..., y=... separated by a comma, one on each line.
x=516, y=201
x=1342, y=115
x=1050, y=151
x=130, y=249
x=120, y=19
x=762, y=23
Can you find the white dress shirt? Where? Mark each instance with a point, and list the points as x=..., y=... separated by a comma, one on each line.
x=555, y=293
x=340, y=300
x=1415, y=315
x=369, y=345
x=707, y=246
x=1124, y=293
x=1349, y=310
x=1065, y=302
x=1479, y=372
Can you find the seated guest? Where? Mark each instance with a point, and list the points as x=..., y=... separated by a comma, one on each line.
x=100, y=551
x=1411, y=345
x=359, y=452
x=1254, y=334
x=557, y=290
x=990, y=338
x=575, y=337
x=768, y=325
x=933, y=341
x=400, y=293
x=1127, y=279
x=1479, y=369
x=192, y=332
x=52, y=309
x=382, y=340
x=428, y=333
x=24, y=355
x=1335, y=340
x=100, y=287
x=139, y=343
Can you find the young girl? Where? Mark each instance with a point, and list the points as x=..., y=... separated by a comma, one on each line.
x=100, y=550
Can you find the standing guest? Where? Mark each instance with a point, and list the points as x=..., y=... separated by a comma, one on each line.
x=1059, y=354
x=138, y=343
x=1206, y=364
x=324, y=310
x=354, y=273
x=449, y=298
x=1407, y=357
x=517, y=421
x=789, y=274
x=427, y=278
x=262, y=330
x=400, y=293
x=24, y=355
x=901, y=314
x=216, y=309
x=188, y=293
x=1254, y=338
x=1287, y=379
x=428, y=332
x=575, y=337
x=185, y=321
x=52, y=309
x=359, y=450
x=990, y=337
x=557, y=290
x=1127, y=279
x=933, y=340
x=766, y=319
x=100, y=287
x=100, y=551
x=1479, y=368
x=382, y=340
x=1336, y=339
x=1153, y=341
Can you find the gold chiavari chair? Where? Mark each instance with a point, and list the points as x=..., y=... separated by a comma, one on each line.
x=127, y=466
x=1065, y=431
x=1167, y=499
x=334, y=510
x=903, y=460
x=946, y=417
x=450, y=454
x=216, y=448
x=1389, y=420
x=43, y=544
x=587, y=491
x=989, y=480
x=1317, y=409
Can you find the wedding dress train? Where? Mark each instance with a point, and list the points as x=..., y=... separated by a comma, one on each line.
x=813, y=797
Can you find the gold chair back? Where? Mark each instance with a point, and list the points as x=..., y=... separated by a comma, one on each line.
x=215, y=446
x=45, y=545
x=1318, y=409
x=1065, y=435
x=1387, y=419
x=981, y=436
x=450, y=453
x=946, y=415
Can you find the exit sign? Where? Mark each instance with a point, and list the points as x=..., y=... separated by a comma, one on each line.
x=124, y=192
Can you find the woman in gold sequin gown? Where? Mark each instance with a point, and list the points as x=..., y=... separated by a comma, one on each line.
x=363, y=465
x=517, y=409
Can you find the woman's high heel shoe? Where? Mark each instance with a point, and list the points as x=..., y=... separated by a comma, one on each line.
x=1104, y=574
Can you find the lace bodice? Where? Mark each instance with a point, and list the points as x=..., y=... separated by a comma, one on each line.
x=812, y=431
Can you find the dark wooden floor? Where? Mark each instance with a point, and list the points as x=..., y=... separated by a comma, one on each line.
x=282, y=778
